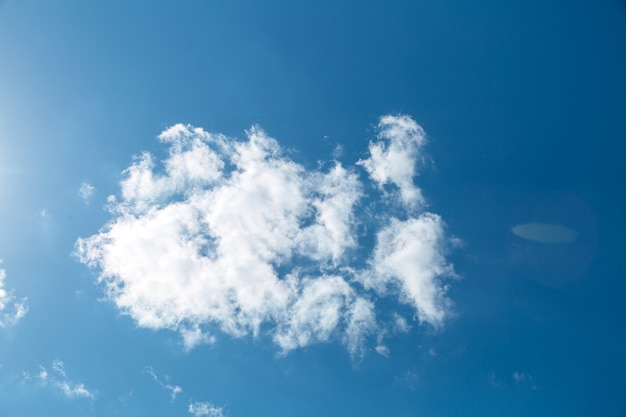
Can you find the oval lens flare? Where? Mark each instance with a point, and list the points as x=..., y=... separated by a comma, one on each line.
x=545, y=232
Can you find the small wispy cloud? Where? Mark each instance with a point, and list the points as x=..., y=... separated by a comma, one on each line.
x=493, y=380
x=166, y=384
x=409, y=379
x=400, y=324
x=524, y=379
x=58, y=367
x=11, y=310
x=201, y=409
x=338, y=151
x=233, y=236
x=382, y=350
x=58, y=378
x=197, y=408
x=86, y=191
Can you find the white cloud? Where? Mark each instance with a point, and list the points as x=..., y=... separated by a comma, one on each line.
x=234, y=236
x=86, y=191
x=400, y=324
x=394, y=158
x=199, y=409
x=338, y=151
x=174, y=390
x=321, y=305
x=11, y=311
x=194, y=336
x=382, y=350
x=58, y=366
x=409, y=253
x=524, y=379
x=43, y=373
x=58, y=379
x=76, y=390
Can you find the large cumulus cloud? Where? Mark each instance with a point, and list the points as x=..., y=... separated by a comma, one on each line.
x=233, y=236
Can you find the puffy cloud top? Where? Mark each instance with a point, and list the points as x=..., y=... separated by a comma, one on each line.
x=393, y=158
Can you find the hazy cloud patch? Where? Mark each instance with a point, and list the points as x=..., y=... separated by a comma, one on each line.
x=233, y=236
x=86, y=191
x=524, y=379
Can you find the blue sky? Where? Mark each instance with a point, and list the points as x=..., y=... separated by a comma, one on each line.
x=238, y=208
